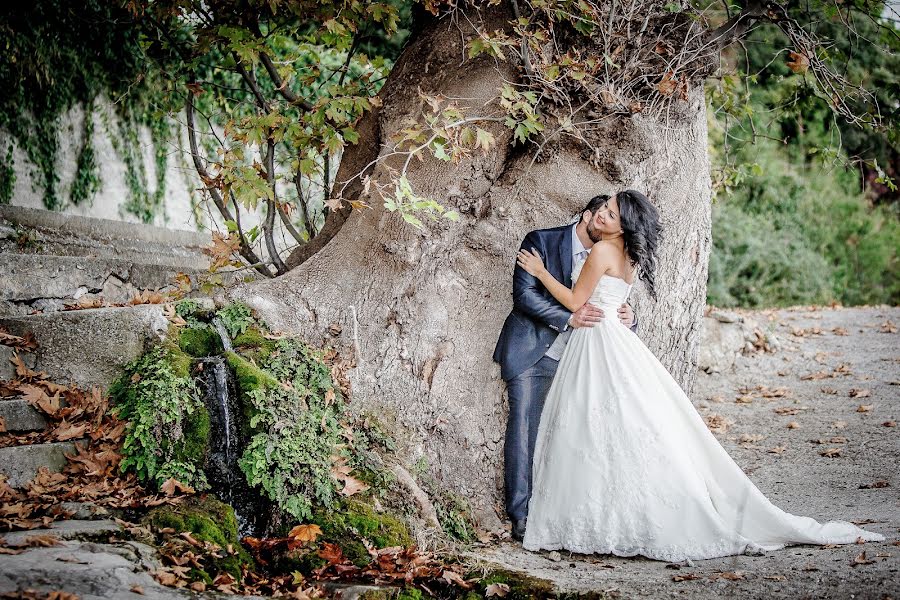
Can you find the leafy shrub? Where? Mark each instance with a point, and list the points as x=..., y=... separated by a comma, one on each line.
x=300, y=430
x=236, y=317
x=168, y=424
x=793, y=232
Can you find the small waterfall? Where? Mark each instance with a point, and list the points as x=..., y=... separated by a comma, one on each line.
x=221, y=467
x=225, y=441
x=223, y=334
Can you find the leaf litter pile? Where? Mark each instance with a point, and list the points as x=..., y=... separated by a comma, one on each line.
x=92, y=476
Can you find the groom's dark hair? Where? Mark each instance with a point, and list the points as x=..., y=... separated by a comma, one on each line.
x=595, y=204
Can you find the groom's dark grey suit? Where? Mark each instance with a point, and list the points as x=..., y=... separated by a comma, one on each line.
x=529, y=331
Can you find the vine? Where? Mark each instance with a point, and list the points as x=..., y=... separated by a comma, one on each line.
x=59, y=55
x=7, y=176
x=87, y=174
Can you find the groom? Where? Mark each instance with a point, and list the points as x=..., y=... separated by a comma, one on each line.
x=532, y=342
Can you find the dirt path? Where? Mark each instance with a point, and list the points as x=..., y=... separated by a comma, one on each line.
x=776, y=408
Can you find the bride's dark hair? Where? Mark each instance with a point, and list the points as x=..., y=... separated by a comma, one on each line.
x=641, y=228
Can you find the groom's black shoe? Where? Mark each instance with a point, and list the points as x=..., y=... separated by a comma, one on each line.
x=518, y=528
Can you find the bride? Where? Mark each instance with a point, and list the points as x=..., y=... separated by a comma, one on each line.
x=623, y=462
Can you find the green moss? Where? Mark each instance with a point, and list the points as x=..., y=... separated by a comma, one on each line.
x=199, y=341
x=248, y=376
x=354, y=520
x=521, y=586
x=252, y=344
x=410, y=593
x=208, y=520
x=195, y=432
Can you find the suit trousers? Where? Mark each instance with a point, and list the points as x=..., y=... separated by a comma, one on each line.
x=526, y=393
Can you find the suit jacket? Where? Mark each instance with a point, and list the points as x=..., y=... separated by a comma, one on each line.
x=536, y=318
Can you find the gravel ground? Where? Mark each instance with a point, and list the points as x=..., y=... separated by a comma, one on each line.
x=832, y=388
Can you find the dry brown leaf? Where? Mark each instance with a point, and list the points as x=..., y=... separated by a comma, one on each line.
x=305, y=533
x=889, y=424
x=353, y=486
x=860, y=393
x=831, y=452
x=732, y=575
x=68, y=431
x=793, y=425
x=862, y=560
x=454, y=577
x=171, y=486
x=686, y=577
x=798, y=63
x=881, y=483
x=496, y=589
x=864, y=407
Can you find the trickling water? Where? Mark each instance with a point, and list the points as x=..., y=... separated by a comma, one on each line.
x=225, y=441
x=223, y=333
x=222, y=470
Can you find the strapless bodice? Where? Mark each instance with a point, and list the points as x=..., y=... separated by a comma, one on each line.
x=610, y=292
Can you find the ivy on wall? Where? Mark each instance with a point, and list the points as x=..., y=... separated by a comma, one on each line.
x=58, y=55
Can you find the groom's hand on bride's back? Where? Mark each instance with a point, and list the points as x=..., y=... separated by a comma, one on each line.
x=586, y=316
x=626, y=315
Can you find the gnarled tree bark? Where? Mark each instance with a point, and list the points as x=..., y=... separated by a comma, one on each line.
x=421, y=310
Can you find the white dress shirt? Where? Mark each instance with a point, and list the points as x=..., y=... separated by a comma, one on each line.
x=579, y=252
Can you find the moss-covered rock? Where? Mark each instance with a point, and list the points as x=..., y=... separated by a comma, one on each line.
x=207, y=520
x=354, y=520
x=253, y=344
x=199, y=341
x=168, y=424
x=521, y=586
x=248, y=376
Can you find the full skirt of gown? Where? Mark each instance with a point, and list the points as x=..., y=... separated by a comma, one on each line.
x=624, y=464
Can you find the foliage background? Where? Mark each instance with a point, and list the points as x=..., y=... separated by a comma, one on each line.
x=798, y=218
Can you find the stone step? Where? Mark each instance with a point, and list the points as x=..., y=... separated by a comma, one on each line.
x=21, y=463
x=7, y=367
x=19, y=416
x=90, y=347
x=66, y=530
x=51, y=232
x=47, y=282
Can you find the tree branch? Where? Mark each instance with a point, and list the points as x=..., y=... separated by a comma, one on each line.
x=286, y=92
x=245, y=250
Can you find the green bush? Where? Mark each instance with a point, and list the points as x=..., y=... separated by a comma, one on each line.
x=299, y=428
x=168, y=424
x=795, y=233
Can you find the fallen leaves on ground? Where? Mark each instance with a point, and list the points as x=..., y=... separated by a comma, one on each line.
x=881, y=483
x=717, y=423
x=91, y=473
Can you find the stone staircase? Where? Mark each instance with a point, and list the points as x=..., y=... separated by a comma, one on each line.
x=49, y=260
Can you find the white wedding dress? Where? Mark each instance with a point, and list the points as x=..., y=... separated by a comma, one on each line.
x=625, y=465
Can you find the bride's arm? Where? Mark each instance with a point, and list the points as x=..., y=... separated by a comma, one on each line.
x=573, y=299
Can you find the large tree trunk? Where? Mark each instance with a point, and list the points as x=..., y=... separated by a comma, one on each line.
x=422, y=310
